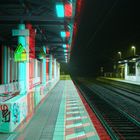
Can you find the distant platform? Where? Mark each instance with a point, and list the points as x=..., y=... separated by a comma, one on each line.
x=123, y=80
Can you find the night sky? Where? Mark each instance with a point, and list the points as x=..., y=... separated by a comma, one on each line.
x=106, y=27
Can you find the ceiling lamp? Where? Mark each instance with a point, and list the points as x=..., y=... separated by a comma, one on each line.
x=67, y=34
x=60, y=10
x=63, y=34
x=68, y=10
x=65, y=51
x=64, y=46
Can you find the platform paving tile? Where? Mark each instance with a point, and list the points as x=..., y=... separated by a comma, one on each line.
x=79, y=123
x=62, y=116
x=43, y=123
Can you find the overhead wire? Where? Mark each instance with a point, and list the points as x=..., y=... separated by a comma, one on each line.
x=88, y=46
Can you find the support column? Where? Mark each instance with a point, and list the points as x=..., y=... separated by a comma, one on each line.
x=47, y=69
x=35, y=69
x=55, y=68
x=5, y=65
x=126, y=71
x=31, y=40
x=50, y=67
x=137, y=72
x=58, y=71
x=44, y=68
x=23, y=76
x=1, y=67
x=8, y=66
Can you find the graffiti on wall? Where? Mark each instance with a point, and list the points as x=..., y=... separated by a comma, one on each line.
x=5, y=113
x=16, y=113
x=23, y=110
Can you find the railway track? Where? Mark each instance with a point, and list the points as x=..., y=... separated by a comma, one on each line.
x=119, y=88
x=123, y=92
x=118, y=123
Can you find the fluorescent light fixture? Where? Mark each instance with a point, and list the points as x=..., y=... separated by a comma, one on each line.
x=64, y=46
x=65, y=51
x=60, y=10
x=63, y=34
x=67, y=46
x=134, y=59
x=68, y=10
x=67, y=34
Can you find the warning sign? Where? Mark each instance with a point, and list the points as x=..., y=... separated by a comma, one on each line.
x=20, y=54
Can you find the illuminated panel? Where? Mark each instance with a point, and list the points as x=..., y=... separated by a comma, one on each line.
x=60, y=10
x=68, y=10
x=63, y=34
x=67, y=34
x=67, y=46
x=65, y=51
x=65, y=54
x=64, y=46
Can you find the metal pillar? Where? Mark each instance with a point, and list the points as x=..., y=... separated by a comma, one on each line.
x=54, y=68
x=58, y=71
x=126, y=71
x=50, y=67
x=8, y=71
x=44, y=68
x=35, y=69
x=5, y=65
x=23, y=76
x=137, y=71
x=47, y=69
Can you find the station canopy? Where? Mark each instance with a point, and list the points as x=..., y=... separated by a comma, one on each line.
x=53, y=21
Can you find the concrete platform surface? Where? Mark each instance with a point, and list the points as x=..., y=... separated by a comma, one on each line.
x=62, y=116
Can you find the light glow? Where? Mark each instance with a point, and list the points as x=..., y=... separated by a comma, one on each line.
x=65, y=51
x=63, y=34
x=67, y=34
x=67, y=46
x=64, y=46
x=68, y=10
x=60, y=10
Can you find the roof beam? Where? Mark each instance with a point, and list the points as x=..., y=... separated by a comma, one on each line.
x=51, y=43
x=41, y=23
x=30, y=18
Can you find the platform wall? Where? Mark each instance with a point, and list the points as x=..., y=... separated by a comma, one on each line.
x=22, y=107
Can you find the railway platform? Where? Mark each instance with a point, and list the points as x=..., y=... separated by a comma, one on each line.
x=124, y=81
x=64, y=115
